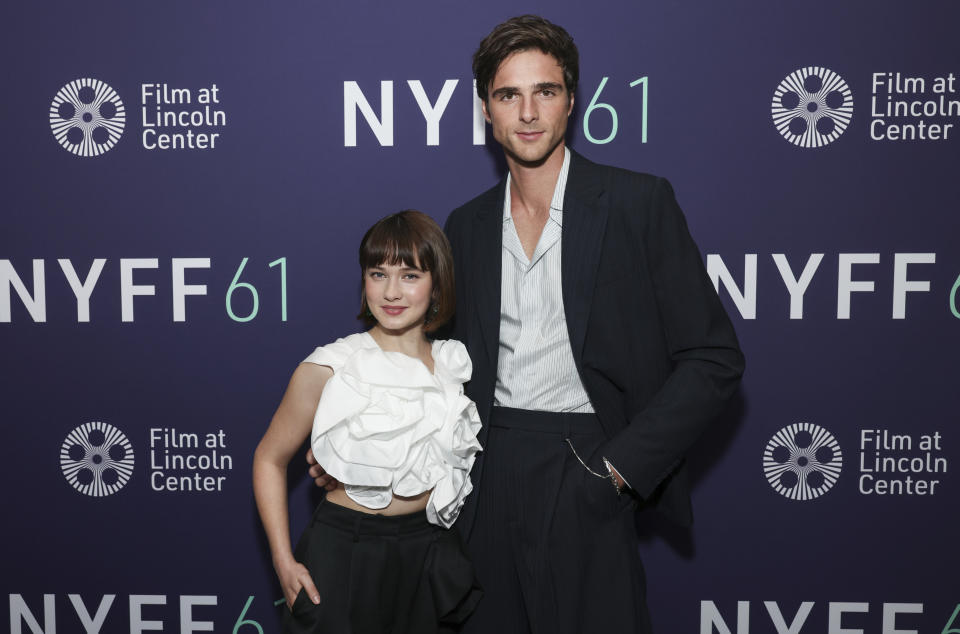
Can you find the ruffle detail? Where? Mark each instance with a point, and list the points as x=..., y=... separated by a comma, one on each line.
x=385, y=425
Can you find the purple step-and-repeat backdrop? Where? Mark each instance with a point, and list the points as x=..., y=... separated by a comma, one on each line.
x=184, y=188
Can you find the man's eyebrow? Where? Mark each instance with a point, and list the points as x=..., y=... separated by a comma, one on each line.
x=549, y=85
x=543, y=85
x=503, y=90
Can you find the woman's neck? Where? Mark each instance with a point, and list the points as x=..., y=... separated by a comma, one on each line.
x=412, y=342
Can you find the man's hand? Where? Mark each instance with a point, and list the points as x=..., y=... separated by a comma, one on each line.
x=320, y=477
x=621, y=483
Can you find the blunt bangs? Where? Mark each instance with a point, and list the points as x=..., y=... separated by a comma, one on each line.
x=395, y=242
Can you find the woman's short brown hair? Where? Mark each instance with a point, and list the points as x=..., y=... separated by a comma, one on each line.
x=523, y=33
x=411, y=238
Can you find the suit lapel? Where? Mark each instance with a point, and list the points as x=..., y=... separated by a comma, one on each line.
x=584, y=223
x=488, y=232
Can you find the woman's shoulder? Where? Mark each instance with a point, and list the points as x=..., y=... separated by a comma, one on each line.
x=336, y=353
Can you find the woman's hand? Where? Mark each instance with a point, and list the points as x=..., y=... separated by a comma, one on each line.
x=294, y=576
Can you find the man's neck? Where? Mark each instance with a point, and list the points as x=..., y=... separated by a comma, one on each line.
x=531, y=186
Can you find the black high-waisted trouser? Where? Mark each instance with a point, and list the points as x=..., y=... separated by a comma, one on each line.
x=380, y=574
x=555, y=548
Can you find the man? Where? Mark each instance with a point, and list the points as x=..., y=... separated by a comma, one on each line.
x=600, y=352
x=599, y=348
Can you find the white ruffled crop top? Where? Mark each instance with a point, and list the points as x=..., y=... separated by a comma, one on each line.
x=385, y=425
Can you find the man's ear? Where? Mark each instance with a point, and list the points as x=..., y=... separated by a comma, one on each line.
x=570, y=107
x=483, y=105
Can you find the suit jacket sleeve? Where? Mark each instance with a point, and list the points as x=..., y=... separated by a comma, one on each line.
x=705, y=358
x=454, y=329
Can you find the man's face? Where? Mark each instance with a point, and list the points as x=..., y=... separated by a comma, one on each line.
x=528, y=106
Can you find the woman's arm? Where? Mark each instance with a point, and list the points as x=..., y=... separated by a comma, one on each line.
x=291, y=424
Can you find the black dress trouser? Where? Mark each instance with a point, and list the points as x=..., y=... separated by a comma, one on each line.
x=381, y=574
x=554, y=547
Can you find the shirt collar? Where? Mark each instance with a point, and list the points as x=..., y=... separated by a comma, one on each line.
x=556, y=203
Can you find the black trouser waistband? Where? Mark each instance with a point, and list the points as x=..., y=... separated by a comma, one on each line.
x=359, y=523
x=551, y=422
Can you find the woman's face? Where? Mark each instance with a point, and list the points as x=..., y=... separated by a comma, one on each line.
x=398, y=295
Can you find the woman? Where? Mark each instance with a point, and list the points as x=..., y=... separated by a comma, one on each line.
x=390, y=422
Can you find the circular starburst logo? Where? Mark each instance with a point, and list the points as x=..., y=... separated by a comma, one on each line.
x=802, y=461
x=812, y=107
x=87, y=117
x=96, y=459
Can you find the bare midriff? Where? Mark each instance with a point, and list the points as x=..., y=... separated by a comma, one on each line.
x=399, y=505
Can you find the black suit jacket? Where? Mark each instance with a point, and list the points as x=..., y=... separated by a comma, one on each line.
x=654, y=347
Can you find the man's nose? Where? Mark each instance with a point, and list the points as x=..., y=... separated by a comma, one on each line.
x=528, y=110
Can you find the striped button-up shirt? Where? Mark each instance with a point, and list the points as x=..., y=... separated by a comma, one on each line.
x=535, y=368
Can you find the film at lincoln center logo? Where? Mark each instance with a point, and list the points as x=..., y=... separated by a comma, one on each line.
x=87, y=117
x=96, y=459
x=812, y=107
x=802, y=461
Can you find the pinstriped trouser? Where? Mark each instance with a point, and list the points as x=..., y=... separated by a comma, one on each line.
x=554, y=547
